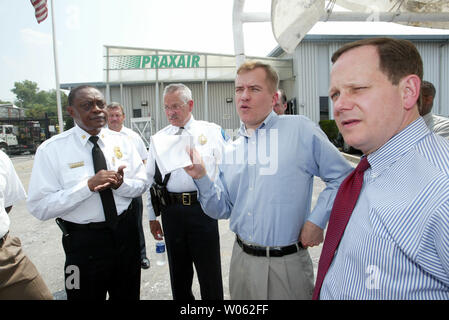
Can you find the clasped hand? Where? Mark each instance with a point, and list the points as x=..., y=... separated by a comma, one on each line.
x=105, y=179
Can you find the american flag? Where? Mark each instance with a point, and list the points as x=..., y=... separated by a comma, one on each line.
x=40, y=6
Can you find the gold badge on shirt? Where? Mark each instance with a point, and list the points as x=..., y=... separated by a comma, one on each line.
x=202, y=139
x=118, y=153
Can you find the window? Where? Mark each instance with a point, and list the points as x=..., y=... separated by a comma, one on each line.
x=324, y=108
x=137, y=113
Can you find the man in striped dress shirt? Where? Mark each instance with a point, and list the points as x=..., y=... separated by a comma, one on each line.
x=395, y=245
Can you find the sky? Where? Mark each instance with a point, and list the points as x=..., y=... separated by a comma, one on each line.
x=83, y=27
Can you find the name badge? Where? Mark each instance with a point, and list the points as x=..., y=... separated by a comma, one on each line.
x=76, y=164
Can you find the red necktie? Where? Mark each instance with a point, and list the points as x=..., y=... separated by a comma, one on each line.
x=344, y=204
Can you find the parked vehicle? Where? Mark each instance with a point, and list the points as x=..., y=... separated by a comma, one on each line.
x=15, y=140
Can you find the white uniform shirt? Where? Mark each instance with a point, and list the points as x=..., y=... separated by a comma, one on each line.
x=437, y=124
x=208, y=140
x=62, y=166
x=136, y=140
x=4, y=218
x=11, y=190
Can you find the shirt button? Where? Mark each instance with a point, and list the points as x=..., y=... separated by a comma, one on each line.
x=251, y=188
x=249, y=213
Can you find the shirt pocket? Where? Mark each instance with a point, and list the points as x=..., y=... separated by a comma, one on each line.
x=75, y=172
x=208, y=154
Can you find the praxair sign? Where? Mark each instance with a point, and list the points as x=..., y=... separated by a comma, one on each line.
x=155, y=62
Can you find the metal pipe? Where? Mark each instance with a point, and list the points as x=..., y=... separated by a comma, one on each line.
x=237, y=27
x=256, y=17
x=55, y=57
x=387, y=16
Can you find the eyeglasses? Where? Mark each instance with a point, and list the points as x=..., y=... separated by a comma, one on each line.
x=175, y=107
x=88, y=105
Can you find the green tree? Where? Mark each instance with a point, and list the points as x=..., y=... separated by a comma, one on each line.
x=37, y=102
x=37, y=111
x=69, y=123
x=26, y=92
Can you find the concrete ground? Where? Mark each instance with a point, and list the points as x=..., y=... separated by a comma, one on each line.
x=41, y=241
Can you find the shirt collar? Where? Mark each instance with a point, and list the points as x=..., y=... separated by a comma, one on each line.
x=83, y=136
x=399, y=144
x=187, y=126
x=428, y=118
x=267, y=123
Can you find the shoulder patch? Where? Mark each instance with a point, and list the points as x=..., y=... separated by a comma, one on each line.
x=225, y=136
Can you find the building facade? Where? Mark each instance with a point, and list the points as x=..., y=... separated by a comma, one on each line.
x=312, y=65
x=136, y=77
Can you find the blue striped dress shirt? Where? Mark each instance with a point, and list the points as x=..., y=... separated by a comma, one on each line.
x=396, y=243
x=265, y=182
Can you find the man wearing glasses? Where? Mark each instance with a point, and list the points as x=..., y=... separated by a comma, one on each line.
x=191, y=236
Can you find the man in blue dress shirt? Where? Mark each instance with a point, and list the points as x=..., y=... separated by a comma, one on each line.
x=265, y=187
x=395, y=245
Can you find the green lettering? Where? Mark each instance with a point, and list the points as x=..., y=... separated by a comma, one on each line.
x=172, y=62
x=145, y=60
x=181, y=62
x=195, y=61
x=164, y=62
x=154, y=62
x=188, y=61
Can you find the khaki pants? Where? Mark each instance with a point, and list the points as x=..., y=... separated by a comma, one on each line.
x=278, y=278
x=19, y=278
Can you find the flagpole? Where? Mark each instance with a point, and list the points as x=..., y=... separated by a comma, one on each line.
x=55, y=57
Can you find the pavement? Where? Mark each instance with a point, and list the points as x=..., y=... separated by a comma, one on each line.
x=41, y=242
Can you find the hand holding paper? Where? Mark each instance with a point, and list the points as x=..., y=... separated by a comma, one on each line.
x=171, y=152
x=197, y=169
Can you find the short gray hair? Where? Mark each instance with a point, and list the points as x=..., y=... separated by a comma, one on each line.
x=185, y=92
x=115, y=105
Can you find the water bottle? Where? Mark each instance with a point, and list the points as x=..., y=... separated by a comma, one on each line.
x=160, y=253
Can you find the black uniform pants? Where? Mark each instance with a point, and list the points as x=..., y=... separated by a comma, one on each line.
x=192, y=237
x=138, y=204
x=100, y=261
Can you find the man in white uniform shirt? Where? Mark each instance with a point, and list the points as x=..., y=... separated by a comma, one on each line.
x=190, y=235
x=86, y=177
x=116, y=117
x=19, y=278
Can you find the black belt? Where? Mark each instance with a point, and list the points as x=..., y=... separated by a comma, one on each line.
x=92, y=225
x=260, y=251
x=184, y=198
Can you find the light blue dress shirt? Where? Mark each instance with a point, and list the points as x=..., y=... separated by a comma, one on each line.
x=396, y=243
x=265, y=182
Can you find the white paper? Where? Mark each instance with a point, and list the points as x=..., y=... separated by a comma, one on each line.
x=171, y=151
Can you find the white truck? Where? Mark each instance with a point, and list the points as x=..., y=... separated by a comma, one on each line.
x=9, y=142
